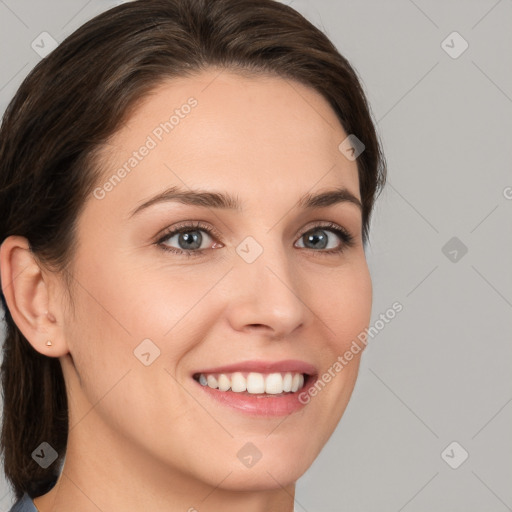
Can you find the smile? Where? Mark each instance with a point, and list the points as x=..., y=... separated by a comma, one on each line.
x=254, y=383
x=258, y=388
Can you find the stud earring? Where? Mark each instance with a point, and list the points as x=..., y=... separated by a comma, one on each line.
x=48, y=343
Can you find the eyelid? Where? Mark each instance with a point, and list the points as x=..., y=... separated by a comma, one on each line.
x=318, y=224
x=189, y=225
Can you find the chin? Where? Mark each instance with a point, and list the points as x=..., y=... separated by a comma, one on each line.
x=275, y=469
x=264, y=478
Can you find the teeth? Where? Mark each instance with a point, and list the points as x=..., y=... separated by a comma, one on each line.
x=274, y=384
x=287, y=382
x=296, y=382
x=224, y=382
x=238, y=383
x=212, y=381
x=254, y=383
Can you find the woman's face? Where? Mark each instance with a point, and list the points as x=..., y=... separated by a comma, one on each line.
x=267, y=285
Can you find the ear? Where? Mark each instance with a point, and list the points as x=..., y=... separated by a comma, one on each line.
x=29, y=291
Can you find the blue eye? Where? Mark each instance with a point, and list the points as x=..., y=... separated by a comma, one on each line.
x=317, y=237
x=190, y=239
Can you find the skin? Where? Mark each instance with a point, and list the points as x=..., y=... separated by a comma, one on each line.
x=146, y=437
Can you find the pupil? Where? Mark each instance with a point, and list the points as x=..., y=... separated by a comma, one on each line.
x=314, y=238
x=194, y=241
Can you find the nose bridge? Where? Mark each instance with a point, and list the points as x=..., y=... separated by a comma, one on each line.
x=266, y=286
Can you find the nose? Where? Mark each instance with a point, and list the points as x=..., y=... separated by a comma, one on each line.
x=266, y=295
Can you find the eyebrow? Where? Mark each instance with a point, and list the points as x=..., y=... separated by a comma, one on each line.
x=221, y=200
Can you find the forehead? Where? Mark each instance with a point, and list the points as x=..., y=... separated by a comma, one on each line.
x=257, y=134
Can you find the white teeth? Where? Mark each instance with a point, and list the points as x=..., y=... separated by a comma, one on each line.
x=274, y=384
x=238, y=383
x=212, y=382
x=296, y=382
x=254, y=383
x=287, y=382
x=224, y=382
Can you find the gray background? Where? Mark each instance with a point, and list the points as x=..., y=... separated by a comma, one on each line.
x=440, y=371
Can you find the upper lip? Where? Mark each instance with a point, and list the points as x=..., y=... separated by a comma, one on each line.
x=288, y=365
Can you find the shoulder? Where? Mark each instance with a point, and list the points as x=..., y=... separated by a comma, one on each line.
x=24, y=504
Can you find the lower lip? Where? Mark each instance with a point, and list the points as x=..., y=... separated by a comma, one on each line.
x=260, y=405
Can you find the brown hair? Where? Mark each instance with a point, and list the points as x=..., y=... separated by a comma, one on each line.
x=77, y=97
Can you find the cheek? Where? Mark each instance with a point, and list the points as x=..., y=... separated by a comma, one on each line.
x=137, y=299
x=343, y=301
x=122, y=302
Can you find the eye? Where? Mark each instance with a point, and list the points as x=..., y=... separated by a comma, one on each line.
x=317, y=238
x=188, y=238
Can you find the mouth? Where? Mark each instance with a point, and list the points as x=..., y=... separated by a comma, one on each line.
x=259, y=388
x=255, y=383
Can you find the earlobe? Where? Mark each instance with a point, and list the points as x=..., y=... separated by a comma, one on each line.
x=25, y=288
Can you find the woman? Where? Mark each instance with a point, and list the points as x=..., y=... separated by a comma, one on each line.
x=186, y=188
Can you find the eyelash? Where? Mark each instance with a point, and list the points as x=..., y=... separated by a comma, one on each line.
x=344, y=235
